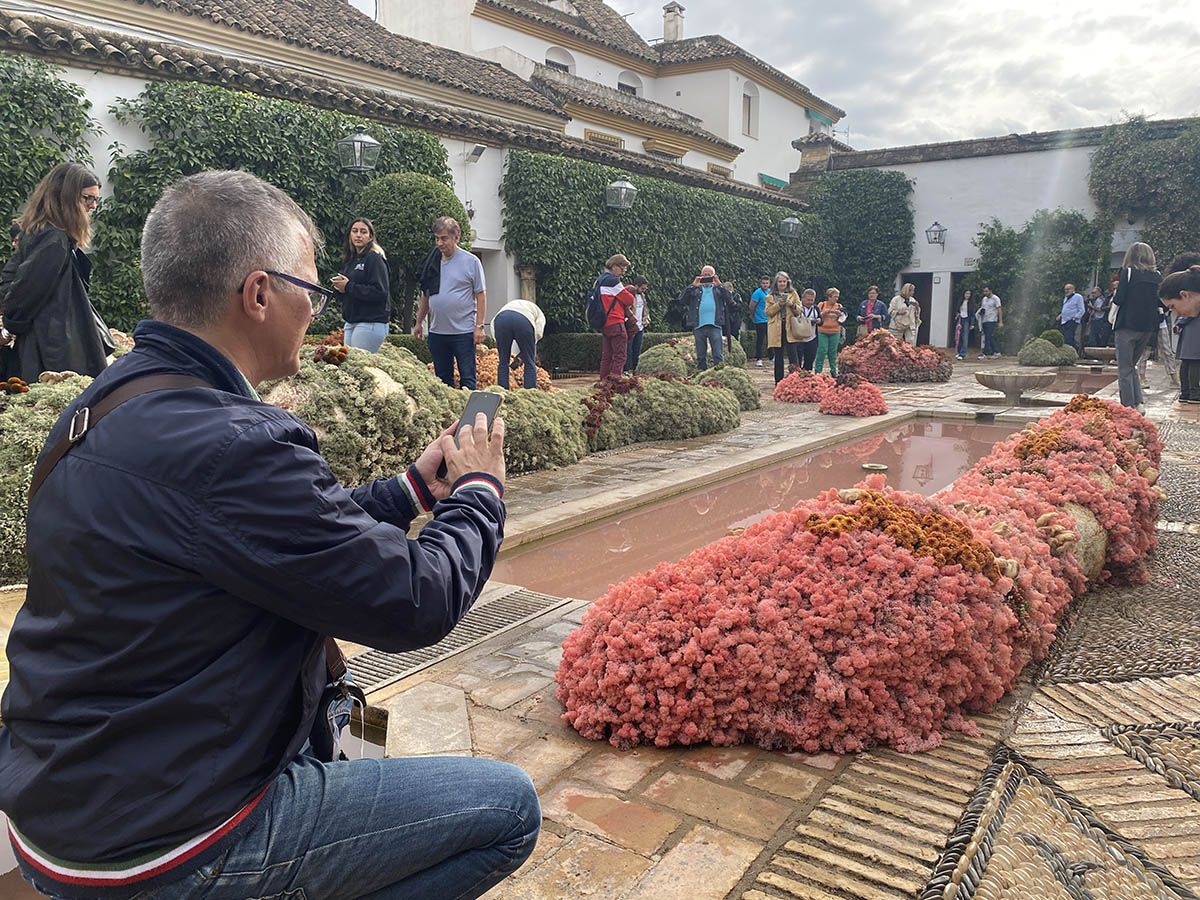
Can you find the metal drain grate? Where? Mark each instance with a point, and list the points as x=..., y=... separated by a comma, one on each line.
x=375, y=669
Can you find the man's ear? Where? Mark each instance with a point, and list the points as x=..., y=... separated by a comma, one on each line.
x=256, y=296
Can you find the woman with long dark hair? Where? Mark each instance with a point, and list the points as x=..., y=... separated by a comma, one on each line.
x=363, y=283
x=1139, y=314
x=43, y=288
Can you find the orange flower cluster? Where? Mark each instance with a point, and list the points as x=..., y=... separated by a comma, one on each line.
x=334, y=355
x=14, y=385
x=1040, y=443
x=938, y=537
x=1086, y=403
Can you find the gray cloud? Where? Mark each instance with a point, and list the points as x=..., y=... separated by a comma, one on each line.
x=909, y=72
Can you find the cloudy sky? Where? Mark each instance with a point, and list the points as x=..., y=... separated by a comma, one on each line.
x=910, y=72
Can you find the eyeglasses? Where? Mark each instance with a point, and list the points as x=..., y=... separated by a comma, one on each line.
x=91, y=200
x=317, y=295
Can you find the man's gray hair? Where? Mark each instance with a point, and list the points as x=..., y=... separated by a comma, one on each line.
x=207, y=233
x=447, y=225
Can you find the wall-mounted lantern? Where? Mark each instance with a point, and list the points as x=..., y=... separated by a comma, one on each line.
x=936, y=234
x=620, y=194
x=789, y=228
x=358, y=152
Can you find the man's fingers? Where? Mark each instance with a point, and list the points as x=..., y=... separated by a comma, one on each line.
x=498, y=435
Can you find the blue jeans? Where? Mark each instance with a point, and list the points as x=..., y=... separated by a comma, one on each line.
x=385, y=829
x=706, y=336
x=964, y=335
x=446, y=349
x=364, y=335
x=633, y=350
x=989, y=338
x=512, y=326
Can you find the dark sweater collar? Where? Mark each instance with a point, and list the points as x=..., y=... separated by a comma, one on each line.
x=158, y=345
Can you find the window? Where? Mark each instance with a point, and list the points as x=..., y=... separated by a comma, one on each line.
x=599, y=137
x=560, y=60
x=750, y=109
x=629, y=83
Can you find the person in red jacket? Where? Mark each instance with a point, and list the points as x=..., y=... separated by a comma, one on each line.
x=616, y=299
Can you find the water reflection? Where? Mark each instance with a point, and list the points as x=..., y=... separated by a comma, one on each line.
x=923, y=457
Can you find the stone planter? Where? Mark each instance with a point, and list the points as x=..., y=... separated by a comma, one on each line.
x=1014, y=383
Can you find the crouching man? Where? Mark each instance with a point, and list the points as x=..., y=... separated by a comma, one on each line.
x=186, y=558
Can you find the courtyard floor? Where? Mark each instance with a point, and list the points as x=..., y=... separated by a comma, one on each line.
x=1084, y=782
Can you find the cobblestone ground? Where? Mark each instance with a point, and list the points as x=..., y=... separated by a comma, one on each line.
x=1084, y=783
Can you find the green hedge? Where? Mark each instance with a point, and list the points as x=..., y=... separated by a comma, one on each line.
x=192, y=127
x=416, y=346
x=555, y=219
x=44, y=120
x=579, y=351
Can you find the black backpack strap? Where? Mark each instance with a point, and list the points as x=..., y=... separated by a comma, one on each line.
x=86, y=418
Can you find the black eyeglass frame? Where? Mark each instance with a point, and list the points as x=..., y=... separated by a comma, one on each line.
x=318, y=305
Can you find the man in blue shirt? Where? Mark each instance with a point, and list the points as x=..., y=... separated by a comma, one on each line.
x=705, y=302
x=1071, y=315
x=758, y=302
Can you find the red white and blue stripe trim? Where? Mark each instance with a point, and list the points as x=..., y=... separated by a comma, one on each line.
x=421, y=496
x=127, y=872
x=479, y=481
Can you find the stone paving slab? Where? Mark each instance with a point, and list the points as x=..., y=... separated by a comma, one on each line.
x=431, y=719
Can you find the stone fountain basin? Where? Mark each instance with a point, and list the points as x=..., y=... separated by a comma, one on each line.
x=1013, y=383
x=1105, y=354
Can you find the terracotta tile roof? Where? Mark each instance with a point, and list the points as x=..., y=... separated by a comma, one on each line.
x=594, y=20
x=713, y=46
x=336, y=27
x=564, y=87
x=84, y=45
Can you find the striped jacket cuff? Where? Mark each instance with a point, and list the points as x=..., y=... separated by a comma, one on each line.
x=415, y=485
x=479, y=481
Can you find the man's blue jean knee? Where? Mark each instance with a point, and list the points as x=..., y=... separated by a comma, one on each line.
x=400, y=829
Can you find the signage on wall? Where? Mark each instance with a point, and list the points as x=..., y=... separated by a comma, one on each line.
x=968, y=260
x=915, y=264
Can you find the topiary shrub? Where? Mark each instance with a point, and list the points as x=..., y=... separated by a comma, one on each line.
x=543, y=429
x=850, y=395
x=1038, y=352
x=416, y=346
x=882, y=358
x=803, y=386
x=1053, y=335
x=667, y=359
x=736, y=380
x=656, y=409
x=872, y=616
x=402, y=207
x=25, y=421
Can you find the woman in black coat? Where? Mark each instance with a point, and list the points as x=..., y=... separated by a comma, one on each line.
x=43, y=287
x=1139, y=314
x=363, y=283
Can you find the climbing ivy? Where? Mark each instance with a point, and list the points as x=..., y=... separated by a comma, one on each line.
x=1137, y=173
x=870, y=225
x=555, y=219
x=44, y=120
x=193, y=127
x=1027, y=267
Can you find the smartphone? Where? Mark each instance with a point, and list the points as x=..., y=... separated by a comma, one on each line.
x=707, y=279
x=486, y=402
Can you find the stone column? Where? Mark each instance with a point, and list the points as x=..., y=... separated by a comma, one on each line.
x=528, y=276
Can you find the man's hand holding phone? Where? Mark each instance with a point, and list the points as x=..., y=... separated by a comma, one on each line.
x=445, y=461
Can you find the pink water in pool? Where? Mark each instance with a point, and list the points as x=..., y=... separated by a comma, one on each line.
x=922, y=456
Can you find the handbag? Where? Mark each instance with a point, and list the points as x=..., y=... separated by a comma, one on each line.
x=1113, y=309
x=800, y=328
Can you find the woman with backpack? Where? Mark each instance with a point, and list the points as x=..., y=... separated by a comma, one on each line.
x=608, y=304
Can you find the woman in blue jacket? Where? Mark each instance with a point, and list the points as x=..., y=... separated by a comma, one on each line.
x=363, y=283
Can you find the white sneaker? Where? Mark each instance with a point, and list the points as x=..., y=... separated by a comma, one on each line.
x=758, y=363
x=960, y=358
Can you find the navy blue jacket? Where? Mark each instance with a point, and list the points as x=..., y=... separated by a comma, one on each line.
x=184, y=561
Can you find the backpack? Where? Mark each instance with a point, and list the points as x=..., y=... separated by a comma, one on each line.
x=597, y=315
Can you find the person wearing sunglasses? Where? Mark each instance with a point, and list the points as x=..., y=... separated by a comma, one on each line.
x=187, y=559
x=48, y=318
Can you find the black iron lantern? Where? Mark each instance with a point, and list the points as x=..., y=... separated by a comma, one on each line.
x=789, y=228
x=358, y=152
x=620, y=194
x=936, y=234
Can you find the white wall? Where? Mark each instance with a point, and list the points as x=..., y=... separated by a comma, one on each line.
x=446, y=24
x=780, y=121
x=102, y=90
x=487, y=35
x=965, y=194
x=705, y=95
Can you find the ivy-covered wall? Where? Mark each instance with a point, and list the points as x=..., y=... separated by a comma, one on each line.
x=1027, y=267
x=44, y=120
x=193, y=127
x=555, y=219
x=1137, y=174
x=869, y=221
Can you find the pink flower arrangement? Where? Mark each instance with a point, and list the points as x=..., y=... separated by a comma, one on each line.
x=803, y=387
x=852, y=396
x=871, y=616
x=881, y=358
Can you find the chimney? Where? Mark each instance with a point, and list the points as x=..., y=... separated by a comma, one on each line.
x=672, y=22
